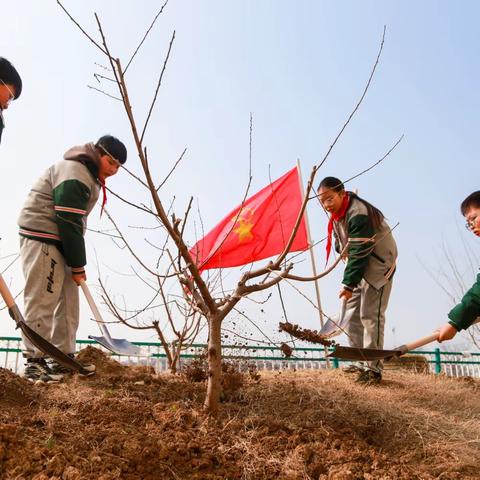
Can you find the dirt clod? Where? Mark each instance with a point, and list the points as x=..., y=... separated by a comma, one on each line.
x=286, y=349
x=304, y=333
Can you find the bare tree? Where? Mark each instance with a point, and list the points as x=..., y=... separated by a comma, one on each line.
x=207, y=298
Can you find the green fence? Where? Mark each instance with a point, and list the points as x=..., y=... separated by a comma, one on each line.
x=265, y=357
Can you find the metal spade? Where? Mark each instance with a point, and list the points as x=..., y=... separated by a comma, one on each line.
x=332, y=328
x=354, y=353
x=368, y=354
x=116, y=345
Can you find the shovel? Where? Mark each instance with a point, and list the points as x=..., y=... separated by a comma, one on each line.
x=332, y=328
x=119, y=346
x=368, y=354
x=46, y=347
x=355, y=353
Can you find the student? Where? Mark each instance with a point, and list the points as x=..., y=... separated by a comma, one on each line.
x=10, y=88
x=466, y=312
x=52, y=248
x=370, y=265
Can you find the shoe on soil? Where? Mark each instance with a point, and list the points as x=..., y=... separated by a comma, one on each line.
x=369, y=377
x=58, y=368
x=352, y=368
x=37, y=370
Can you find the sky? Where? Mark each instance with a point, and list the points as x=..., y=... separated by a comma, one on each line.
x=299, y=68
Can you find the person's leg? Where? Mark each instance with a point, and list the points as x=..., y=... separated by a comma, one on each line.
x=42, y=290
x=65, y=323
x=354, y=328
x=66, y=317
x=372, y=315
x=41, y=293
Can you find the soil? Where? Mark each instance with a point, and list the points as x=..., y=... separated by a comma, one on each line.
x=304, y=334
x=128, y=423
x=286, y=349
x=415, y=362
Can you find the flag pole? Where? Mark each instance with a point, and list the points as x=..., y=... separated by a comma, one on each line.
x=312, y=258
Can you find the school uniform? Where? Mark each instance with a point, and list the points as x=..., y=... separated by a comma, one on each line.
x=371, y=263
x=467, y=311
x=52, y=226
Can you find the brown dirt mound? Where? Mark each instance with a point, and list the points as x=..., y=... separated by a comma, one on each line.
x=304, y=425
x=103, y=361
x=15, y=390
x=412, y=362
x=110, y=372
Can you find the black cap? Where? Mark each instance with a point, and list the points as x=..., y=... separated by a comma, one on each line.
x=10, y=76
x=113, y=146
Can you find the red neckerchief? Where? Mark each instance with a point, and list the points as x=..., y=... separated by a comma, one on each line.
x=104, y=191
x=335, y=217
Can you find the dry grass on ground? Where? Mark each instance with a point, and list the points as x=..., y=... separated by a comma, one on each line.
x=127, y=424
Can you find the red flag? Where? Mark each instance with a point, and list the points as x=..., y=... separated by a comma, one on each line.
x=259, y=229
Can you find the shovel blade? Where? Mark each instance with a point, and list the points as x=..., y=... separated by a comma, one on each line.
x=354, y=353
x=120, y=346
x=334, y=328
x=331, y=329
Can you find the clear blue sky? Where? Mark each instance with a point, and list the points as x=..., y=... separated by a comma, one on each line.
x=299, y=67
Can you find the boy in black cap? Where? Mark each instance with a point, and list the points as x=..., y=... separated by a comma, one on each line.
x=10, y=88
x=52, y=248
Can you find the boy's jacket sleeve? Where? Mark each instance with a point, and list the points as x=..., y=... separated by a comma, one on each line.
x=360, y=233
x=465, y=313
x=70, y=200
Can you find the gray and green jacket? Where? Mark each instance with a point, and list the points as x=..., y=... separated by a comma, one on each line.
x=59, y=202
x=372, y=253
x=464, y=314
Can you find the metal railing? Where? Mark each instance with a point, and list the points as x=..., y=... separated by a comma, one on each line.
x=456, y=364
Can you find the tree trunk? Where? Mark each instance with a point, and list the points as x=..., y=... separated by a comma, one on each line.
x=214, y=366
x=173, y=365
x=173, y=362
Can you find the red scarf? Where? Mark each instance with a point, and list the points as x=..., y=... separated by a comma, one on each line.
x=335, y=217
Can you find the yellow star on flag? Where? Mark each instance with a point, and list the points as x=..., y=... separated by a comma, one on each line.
x=244, y=225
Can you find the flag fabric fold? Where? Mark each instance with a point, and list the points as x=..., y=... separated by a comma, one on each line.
x=257, y=229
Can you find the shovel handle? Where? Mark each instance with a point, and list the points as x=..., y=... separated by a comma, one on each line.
x=95, y=311
x=420, y=342
x=425, y=340
x=5, y=292
x=343, y=310
x=91, y=302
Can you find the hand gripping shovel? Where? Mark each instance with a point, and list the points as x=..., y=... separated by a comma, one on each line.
x=354, y=353
x=367, y=354
x=34, y=337
x=119, y=346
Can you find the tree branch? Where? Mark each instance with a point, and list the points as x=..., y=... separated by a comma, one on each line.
x=159, y=83
x=145, y=36
x=81, y=29
x=172, y=170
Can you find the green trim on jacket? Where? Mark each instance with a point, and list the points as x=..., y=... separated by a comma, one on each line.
x=464, y=314
x=70, y=200
x=360, y=236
